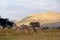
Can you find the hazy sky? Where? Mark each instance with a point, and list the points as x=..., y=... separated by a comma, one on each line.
x=18, y=9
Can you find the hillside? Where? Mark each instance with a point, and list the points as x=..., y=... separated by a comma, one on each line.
x=43, y=18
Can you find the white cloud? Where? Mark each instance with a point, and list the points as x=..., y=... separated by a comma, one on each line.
x=4, y=4
x=39, y=4
x=10, y=12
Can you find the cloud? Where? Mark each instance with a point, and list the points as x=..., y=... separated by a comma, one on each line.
x=4, y=4
x=20, y=8
x=10, y=12
x=39, y=4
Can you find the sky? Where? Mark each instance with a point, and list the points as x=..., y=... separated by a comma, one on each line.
x=18, y=9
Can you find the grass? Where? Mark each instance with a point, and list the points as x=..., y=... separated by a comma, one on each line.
x=11, y=34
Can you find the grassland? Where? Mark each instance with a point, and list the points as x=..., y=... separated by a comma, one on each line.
x=11, y=34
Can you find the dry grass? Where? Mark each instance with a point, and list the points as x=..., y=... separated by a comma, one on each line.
x=11, y=34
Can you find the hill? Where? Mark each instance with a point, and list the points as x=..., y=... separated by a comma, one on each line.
x=43, y=18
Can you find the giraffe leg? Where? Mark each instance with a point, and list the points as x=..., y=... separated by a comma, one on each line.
x=34, y=29
x=41, y=30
